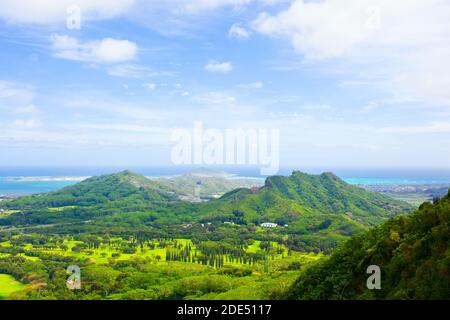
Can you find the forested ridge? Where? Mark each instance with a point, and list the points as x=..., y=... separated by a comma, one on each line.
x=412, y=252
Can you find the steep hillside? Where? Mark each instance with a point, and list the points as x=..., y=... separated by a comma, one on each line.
x=412, y=252
x=329, y=193
x=306, y=202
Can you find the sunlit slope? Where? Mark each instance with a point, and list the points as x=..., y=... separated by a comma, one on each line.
x=412, y=252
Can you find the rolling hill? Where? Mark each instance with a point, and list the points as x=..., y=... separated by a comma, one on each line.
x=125, y=193
x=98, y=190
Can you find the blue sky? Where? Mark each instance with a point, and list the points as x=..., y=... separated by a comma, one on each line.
x=347, y=83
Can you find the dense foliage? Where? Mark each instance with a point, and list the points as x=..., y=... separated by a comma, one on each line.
x=309, y=205
x=412, y=251
x=141, y=268
x=134, y=239
x=317, y=212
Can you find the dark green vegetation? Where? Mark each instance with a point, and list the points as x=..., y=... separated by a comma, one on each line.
x=140, y=268
x=328, y=201
x=134, y=239
x=412, y=252
x=318, y=211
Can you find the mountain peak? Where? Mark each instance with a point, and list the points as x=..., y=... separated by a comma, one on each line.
x=330, y=176
x=329, y=193
x=127, y=173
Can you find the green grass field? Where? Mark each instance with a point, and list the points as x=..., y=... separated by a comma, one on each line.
x=8, y=285
x=101, y=255
x=148, y=272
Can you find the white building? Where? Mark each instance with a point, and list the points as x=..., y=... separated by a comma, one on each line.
x=269, y=225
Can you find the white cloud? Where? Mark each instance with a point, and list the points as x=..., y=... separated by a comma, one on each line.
x=399, y=46
x=216, y=97
x=316, y=107
x=107, y=50
x=16, y=97
x=131, y=71
x=238, y=32
x=353, y=83
x=370, y=106
x=252, y=85
x=150, y=86
x=31, y=108
x=124, y=127
x=214, y=66
x=198, y=6
x=434, y=127
x=25, y=124
x=55, y=11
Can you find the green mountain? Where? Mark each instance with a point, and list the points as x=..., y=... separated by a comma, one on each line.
x=310, y=208
x=306, y=202
x=412, y=252
x=98, y=190
x=125, y=193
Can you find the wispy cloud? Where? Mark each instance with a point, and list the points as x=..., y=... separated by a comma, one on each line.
x=131, y=71
x=28, y=109
x=151, y=86
x=238, y=31
x=25, y=124
x=434, y=127
x=107, y=50
x=216, y=97
x=321, y=107
x=215, y=66
x=51, y=11
x=252, y=85
x=17, y=97
x=372, y=105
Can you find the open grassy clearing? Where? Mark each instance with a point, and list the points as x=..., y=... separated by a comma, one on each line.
x=9, y=285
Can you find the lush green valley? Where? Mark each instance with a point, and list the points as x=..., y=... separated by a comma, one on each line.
x=139, y=268
x=133, y=238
